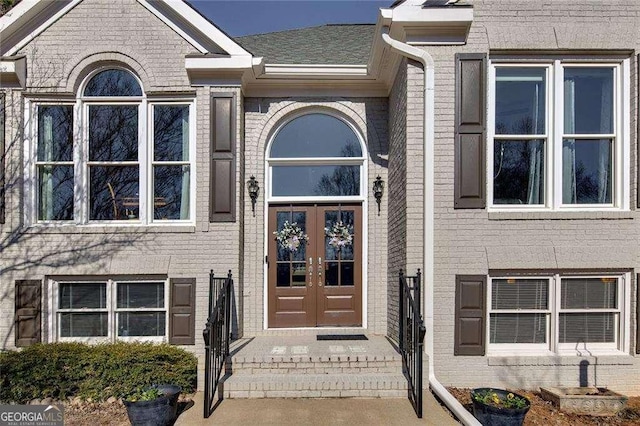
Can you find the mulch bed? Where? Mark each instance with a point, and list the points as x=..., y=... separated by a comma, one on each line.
x=544, y=413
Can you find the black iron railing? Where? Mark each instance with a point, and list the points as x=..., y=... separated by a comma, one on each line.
x=411, y=337
x=216, y=337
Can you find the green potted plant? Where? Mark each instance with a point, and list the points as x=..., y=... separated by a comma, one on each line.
x=154, y=406
x=497, y=407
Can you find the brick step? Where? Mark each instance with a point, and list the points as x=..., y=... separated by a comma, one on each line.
x=321, y=364
x=385, y=385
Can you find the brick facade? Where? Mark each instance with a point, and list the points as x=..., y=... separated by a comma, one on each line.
x=102, y=32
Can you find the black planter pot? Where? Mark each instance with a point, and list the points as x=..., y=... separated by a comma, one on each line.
x=490, y=415
x=161, y=411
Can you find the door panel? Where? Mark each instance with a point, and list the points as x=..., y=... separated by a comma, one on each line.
x=319, y=283
x=340, y=288
x=292, y=301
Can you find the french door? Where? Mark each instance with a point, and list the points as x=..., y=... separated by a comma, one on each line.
x=317, y=282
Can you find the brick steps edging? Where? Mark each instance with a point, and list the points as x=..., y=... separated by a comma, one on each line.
x=316, y=386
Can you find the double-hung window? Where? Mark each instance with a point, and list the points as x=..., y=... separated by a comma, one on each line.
x=562, y=314
x=96, y=311
x=558, y=135
x=114, y=155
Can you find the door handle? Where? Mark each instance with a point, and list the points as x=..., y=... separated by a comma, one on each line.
x=319, y=272
x=310, y=272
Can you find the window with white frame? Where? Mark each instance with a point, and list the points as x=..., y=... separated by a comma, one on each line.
x=558, y=313
x=558, y=135
x=113, y=155
x=109, y=310
x=316, y=155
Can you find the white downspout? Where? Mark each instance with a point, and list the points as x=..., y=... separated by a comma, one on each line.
x=429, y=184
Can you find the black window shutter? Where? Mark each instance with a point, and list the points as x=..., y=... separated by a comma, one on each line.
x=28, y=311
x=470, y=127
x=638, y=314
x=182, y=311
x=223, y=158
x=2, y=155
x=470, y=309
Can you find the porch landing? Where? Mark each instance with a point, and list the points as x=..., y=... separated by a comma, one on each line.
x=302, y=367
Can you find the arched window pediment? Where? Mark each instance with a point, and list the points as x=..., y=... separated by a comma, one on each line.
x=315, y=135
x=113, y=82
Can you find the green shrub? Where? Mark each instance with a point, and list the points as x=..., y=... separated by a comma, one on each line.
x=62, y=370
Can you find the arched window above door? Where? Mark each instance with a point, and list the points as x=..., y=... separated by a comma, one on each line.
x=316, y=135
x=316, y=156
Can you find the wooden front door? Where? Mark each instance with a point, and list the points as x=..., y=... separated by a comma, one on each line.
x=319, y=282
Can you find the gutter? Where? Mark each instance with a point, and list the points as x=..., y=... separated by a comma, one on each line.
x=429, y=184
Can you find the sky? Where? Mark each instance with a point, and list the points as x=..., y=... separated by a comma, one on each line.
x=244, y=17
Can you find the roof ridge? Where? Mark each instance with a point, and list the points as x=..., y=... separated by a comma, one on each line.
x=304, y=28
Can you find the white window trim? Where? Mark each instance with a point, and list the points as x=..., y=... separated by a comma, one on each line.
x=553, y=347
x=81, y=164
x=555, y=130
x=112, y=310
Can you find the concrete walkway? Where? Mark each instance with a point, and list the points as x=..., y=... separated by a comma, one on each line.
x=317, y=411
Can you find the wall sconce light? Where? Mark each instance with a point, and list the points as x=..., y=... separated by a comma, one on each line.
x=254, y=191
x=378, y=190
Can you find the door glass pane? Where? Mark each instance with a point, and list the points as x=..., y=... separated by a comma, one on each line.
x=171, y=132
x=518, y=172
x=316, y=180
x=332, y=274
x=55, y=133
x=82, y=295
x=588, y=100
x=283, y=275
x=90, y=324
x=141, y=324
x=171, y=192
x=520, y=101
x=55, y=195
x=586, y=171
x=141, y=295
x=299, y=275
x=281, y=218
x=113, y=133
x=316, y=135
x=114, y=192
x=346, y=273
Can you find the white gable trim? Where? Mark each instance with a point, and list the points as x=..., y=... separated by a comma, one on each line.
x=27, y=9
x=207, y=28
x=22, y=10
x=173, y=26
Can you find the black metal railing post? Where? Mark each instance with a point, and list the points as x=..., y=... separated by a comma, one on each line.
x=411, y=336
x=217, y=337
x=401, y=281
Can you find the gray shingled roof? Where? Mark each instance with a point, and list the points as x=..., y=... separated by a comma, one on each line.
x=341, y=44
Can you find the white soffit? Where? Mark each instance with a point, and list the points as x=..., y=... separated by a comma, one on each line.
x=13, y=72
x=417, y=25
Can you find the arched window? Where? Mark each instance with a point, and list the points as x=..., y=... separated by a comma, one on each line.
x=113, y=82
x=129, y=160
x=316, y=155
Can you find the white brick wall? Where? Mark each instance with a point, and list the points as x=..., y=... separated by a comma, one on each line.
x=473, y=241
x=57, y=60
